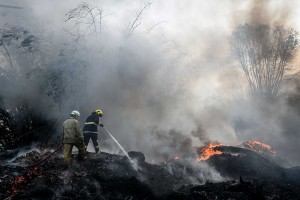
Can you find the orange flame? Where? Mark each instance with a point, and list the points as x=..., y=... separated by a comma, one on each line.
x=259, y=146
x=207, y=151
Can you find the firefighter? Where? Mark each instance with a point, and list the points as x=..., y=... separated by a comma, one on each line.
x=90, y=129
x=73, y=137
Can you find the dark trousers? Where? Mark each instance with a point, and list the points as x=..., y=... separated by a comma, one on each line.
x=94, y=137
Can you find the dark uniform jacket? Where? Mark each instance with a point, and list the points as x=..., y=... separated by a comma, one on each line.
x=72, y=132
x=91, y=123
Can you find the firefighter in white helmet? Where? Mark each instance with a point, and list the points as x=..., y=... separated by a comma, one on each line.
x=73, y=137
x=90, y=129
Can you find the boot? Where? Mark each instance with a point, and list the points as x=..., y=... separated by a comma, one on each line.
x=97, y=150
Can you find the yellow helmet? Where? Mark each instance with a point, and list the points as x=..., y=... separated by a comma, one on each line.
x=99, y=112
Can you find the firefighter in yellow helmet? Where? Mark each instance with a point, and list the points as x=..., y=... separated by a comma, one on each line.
x=90, y=129
x=73, y=137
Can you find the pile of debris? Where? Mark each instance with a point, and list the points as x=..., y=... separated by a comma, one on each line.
x=251, y=190
x=100, y=176
x=108, y=176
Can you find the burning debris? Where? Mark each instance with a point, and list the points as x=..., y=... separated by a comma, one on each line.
x=100, y=176
x=259, y=147
x=108, y=176
x=21, y=178
x=265, y=150
x=21, y=181
x=206, y=152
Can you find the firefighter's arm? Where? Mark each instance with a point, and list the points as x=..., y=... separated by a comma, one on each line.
x=97, y=122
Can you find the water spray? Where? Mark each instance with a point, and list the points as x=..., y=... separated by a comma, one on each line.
x=120, y=146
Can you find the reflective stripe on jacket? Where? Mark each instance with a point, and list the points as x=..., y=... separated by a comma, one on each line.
x=72, y=132
x=91, y=123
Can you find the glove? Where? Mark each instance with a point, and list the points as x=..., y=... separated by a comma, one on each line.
x=100, y=124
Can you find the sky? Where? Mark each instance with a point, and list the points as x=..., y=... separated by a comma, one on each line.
x=172, y=78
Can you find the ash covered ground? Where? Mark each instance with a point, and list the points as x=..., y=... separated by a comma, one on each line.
x=107, y=176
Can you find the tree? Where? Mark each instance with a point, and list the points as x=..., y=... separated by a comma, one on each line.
x=264, y=54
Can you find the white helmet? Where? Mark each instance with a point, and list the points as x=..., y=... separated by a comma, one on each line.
x=76, y=113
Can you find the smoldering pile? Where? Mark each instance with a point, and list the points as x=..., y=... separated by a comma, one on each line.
x=109, y=176
x=100, y=176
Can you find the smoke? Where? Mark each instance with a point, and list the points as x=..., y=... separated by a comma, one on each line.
x=170, y=144
x=264, y=12
x=194, y=172
x=205, y=173
x=169, y=86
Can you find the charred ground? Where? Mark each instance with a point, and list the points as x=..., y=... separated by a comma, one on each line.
x=247, y=175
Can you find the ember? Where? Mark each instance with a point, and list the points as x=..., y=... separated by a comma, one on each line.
x=206, y=152
x=20, y=183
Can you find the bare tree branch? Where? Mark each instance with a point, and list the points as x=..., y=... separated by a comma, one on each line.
x=86, y=16
x=155, y=25
x=136, y=22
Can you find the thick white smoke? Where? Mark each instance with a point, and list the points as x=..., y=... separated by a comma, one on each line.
x=166, y=85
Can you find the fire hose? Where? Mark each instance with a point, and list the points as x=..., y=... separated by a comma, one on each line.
x=39, y=162
x=29, y=133
x=33, y=131
x=114, y=139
